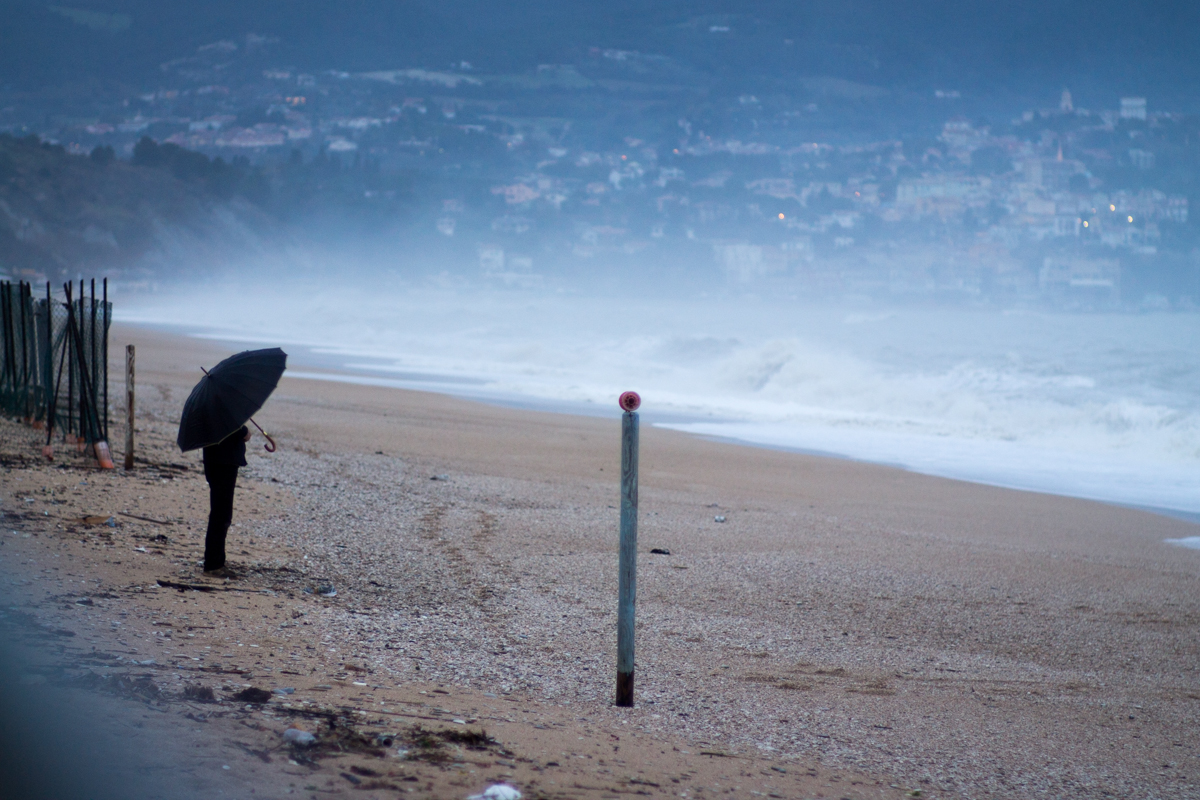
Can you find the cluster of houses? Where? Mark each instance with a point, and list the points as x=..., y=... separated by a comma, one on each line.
x=1030, y=217
x=1038, y=223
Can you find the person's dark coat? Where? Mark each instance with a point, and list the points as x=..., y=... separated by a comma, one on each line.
x=227, y=453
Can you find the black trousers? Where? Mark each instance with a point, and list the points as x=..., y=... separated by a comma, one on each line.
x=222, y=481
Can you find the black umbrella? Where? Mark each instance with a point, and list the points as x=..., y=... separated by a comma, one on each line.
x=228, y=395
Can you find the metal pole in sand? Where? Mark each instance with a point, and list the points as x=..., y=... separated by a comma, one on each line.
x=129, y=359
x=627, y=566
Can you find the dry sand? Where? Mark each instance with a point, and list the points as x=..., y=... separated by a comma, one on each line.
x=850, y=630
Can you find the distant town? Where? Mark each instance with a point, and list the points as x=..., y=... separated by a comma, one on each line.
x=620, y=161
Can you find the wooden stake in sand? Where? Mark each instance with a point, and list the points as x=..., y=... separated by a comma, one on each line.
x=129, y=359
x=627, y=566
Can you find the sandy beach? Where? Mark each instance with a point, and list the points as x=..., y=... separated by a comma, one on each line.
x=434, y=580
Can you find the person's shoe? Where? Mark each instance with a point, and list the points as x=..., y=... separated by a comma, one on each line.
x=219, y=572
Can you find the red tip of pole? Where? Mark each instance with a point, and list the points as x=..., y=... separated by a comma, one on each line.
x=629, y=401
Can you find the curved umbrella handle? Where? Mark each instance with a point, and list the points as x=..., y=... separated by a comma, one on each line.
x=270, y=445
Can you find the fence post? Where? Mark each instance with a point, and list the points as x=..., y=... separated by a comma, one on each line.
x=24, y=376
x=104, y=356
x=52, y=385
x=7, y=350
x=627, y=561
x=69, y=349
x=129, y=359
x=48, y=356
x=99, y=434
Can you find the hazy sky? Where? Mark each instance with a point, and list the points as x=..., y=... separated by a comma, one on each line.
x=1132, y=45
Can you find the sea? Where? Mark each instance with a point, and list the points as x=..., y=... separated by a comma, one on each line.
x=1104, y=406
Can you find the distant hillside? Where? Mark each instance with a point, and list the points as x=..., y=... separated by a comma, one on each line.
x=169, y=210
x=1132, y=46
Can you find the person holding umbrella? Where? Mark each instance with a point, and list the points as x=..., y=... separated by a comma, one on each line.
x=214, y=418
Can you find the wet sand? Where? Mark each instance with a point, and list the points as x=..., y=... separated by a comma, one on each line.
x=849, y=630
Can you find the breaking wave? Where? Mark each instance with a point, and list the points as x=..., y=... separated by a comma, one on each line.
x=1098, y=406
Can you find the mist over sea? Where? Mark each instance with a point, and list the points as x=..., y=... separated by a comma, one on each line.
x=1100, y=406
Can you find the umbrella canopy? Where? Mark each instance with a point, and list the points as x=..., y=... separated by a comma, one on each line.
x=228, y=395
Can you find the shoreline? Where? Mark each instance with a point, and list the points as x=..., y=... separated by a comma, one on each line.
x=1171, y=513
x=334, y=369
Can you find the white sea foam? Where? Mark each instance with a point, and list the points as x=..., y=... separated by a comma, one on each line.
x=1188, y=541
x=1097, y=406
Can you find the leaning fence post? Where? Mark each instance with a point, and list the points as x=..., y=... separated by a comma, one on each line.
x=627, y=562
x=129, y=354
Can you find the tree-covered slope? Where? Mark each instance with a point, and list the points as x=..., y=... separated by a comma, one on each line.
x=63, y=214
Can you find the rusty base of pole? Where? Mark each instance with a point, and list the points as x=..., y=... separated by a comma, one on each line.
x=625, y=689
x=103, y=455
